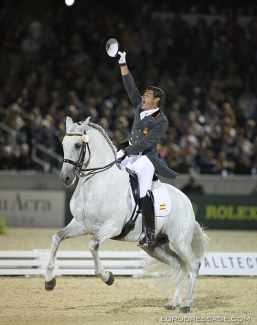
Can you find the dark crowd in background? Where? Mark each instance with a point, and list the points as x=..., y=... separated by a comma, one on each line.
x=52, y=66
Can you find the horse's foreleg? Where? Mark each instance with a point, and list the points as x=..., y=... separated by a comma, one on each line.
x=106, y=232
x=106, y=276
x=73, y=229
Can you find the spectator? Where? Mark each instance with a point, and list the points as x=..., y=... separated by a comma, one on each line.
x=23, y=161
x=7, y=158
x=208, y=71
x=192, y=186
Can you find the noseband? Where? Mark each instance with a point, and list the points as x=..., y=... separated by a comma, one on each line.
x=79, y=171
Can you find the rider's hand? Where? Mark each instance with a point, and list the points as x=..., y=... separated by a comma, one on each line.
x=122, y=59
x=121, y=154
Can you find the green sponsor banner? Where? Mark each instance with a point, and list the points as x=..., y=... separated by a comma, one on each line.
x=225, y=211
x=214, y=211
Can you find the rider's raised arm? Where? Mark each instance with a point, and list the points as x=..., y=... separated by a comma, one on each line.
x=128, y=82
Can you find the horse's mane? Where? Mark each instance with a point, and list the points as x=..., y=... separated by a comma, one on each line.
x=104, y=134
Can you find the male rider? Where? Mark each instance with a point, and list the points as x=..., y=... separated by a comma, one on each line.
x=139, y=150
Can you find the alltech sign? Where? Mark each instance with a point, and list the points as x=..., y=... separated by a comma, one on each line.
x=217, y=263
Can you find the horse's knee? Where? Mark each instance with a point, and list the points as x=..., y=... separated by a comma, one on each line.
x=56, y=239
x=93, y=245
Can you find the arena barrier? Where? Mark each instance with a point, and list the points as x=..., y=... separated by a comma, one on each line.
x=122, y=263
x=68, y=262
x=42, y=208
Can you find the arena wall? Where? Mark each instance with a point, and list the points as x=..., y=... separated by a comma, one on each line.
x=40, y=200
x=212, y=184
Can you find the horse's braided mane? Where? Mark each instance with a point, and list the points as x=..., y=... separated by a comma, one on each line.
x=101, y=130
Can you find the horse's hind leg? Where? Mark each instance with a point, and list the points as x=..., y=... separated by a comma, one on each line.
x=165, y=255
x=73, y=229
x=177, y=299
x=193, y=266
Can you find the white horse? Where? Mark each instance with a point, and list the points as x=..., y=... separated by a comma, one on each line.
x=102, y=203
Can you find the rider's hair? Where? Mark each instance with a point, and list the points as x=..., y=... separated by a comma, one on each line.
x=157, y=93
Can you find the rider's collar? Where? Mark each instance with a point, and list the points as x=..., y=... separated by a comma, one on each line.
x=148, y=112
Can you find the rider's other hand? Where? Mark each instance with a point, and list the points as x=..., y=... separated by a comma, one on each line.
x=122, y=59
x=121, y=154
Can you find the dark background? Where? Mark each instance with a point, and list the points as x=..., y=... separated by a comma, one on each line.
x=52, y=65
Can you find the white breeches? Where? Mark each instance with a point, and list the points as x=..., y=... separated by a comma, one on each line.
x=144, y=169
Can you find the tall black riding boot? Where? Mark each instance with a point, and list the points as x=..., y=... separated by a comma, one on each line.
x=147, y=207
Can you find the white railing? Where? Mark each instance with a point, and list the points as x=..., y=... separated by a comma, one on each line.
x=12, y=134
x=32, y=263
x=44, y=157
x=39, y=151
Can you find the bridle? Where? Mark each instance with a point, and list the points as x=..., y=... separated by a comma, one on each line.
x=82, y=172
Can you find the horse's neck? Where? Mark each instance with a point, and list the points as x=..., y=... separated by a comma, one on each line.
x=107, y=181
x=102, y=152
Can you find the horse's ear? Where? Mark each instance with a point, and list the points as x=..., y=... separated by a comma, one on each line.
x=87, y=120
x=69, y=123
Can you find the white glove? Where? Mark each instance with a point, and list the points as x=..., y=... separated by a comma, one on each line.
x=122, y=59
x=121, y=154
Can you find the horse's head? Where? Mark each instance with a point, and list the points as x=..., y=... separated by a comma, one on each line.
x=85, y=144
x=75, y=149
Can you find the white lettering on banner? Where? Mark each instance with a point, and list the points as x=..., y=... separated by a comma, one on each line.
x=33, y=208
x=215, y=263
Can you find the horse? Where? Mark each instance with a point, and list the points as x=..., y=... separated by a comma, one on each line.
x=102, y=204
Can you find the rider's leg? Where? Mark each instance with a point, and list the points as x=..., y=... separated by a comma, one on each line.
x=147, y=207
x=145, y=170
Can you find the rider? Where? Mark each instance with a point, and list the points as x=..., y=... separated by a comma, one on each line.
x=139, y=152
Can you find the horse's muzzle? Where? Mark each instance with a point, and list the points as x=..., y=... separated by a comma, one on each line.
x=68, y=179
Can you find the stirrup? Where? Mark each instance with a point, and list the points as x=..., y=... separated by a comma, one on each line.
x=148, y=239
x=142, y=242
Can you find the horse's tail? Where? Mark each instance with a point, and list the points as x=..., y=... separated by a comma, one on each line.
x=199, y=242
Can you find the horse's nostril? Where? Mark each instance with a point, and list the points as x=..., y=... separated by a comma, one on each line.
x=67, y=178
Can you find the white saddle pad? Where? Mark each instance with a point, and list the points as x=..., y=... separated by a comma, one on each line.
x=162, y=201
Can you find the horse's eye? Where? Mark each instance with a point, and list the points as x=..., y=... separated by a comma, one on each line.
x=77, y=145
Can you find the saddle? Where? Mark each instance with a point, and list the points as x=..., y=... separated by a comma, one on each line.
x=135, y=184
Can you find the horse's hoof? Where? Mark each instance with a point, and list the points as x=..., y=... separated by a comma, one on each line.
x=185, y=309
x=49, y=286
x=110, y=280
x=169, y=307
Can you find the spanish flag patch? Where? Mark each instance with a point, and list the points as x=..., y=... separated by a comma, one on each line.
x=163, y=206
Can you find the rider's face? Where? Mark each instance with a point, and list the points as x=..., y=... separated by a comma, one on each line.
x=148, y=100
